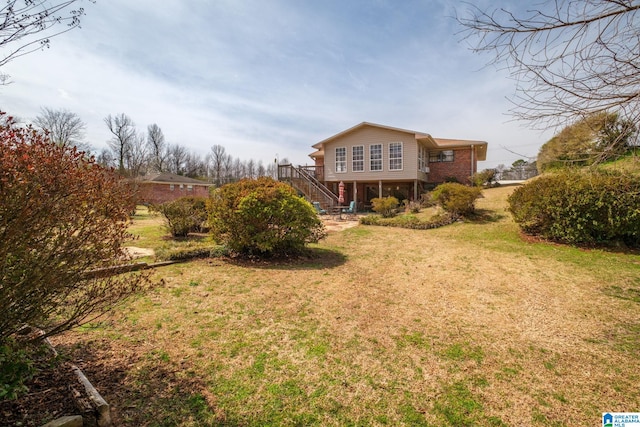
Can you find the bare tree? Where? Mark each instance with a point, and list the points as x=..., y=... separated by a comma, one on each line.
x=250, y=169
x=64, y=127
x=261, y=171
x=272, y=170
x=177, y=157
x=217, y=159
x=194, y=166
x=569, y=58
x=29, y=25
x=124, y=133
x=227, y=168
x=158, y=152
x=136, y=156
x=105, y=158
x=237, y=170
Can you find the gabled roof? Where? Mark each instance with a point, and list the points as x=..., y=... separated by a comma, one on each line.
x=442, y=143
x=368, y=124
x=171, y=178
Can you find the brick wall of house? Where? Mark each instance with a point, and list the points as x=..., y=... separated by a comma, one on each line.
x=156, y=193
x=460, y=168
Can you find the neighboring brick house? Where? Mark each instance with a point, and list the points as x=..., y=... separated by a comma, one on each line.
x=165, y=187
x=373, y=160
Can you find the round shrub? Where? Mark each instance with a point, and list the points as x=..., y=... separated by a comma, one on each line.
x=457, y=199
x=385, y=206
x=263, y=217
x=184, y=215
x=580, y=207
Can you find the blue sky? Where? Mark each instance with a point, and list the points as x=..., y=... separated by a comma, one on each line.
x=271, y=78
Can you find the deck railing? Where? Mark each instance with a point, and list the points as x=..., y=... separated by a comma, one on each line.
x=306, y=179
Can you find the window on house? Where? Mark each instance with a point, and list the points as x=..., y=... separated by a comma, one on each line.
x=357, y=155
x=441, y=156
x=422, y=157
x=395, y=156
x=182, y=186
x=375, y=156
x=341, y=159
x=189, y=187
x=171, y=187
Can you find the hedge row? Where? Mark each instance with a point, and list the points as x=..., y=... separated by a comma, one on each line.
x=580, y=207
x=410, y=221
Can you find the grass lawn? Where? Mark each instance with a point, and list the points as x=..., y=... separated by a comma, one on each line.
x=150, y=232
x=467, y=324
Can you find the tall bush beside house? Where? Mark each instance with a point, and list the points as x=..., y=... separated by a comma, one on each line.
x=456, y=199
x=580, y=207
x=61, y=216
x=263, y=217
x=184, y=215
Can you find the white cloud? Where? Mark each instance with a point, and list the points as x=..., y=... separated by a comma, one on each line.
x=269, y=77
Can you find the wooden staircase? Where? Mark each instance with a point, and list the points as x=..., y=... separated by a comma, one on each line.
x=305, y=180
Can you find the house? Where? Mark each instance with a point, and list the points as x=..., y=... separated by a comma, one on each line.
x=372, y=160
x=165, y=187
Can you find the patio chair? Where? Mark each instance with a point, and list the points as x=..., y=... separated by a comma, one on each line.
x=318, y=208
x=351, y=209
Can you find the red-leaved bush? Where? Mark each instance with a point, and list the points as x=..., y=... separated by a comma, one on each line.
x=61, y=217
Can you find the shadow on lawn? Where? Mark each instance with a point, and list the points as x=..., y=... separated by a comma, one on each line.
x=484, y=216
x=312, y=259
x=145, y=389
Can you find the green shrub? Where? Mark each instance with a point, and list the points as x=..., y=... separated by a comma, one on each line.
x=184, y=215
x=410, y=221
x=573, y=206
x=485, y=178
x=263, y=217
x=385, y=206
x=457, y=199
x=16, y=367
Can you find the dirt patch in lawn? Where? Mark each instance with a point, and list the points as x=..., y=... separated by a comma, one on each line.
x=135, y=252
x=333, y=225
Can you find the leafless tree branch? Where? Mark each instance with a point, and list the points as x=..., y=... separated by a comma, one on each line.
x=29, y=25
x=569, y=58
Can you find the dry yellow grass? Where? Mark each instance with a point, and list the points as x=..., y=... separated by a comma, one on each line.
x=466, y=324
